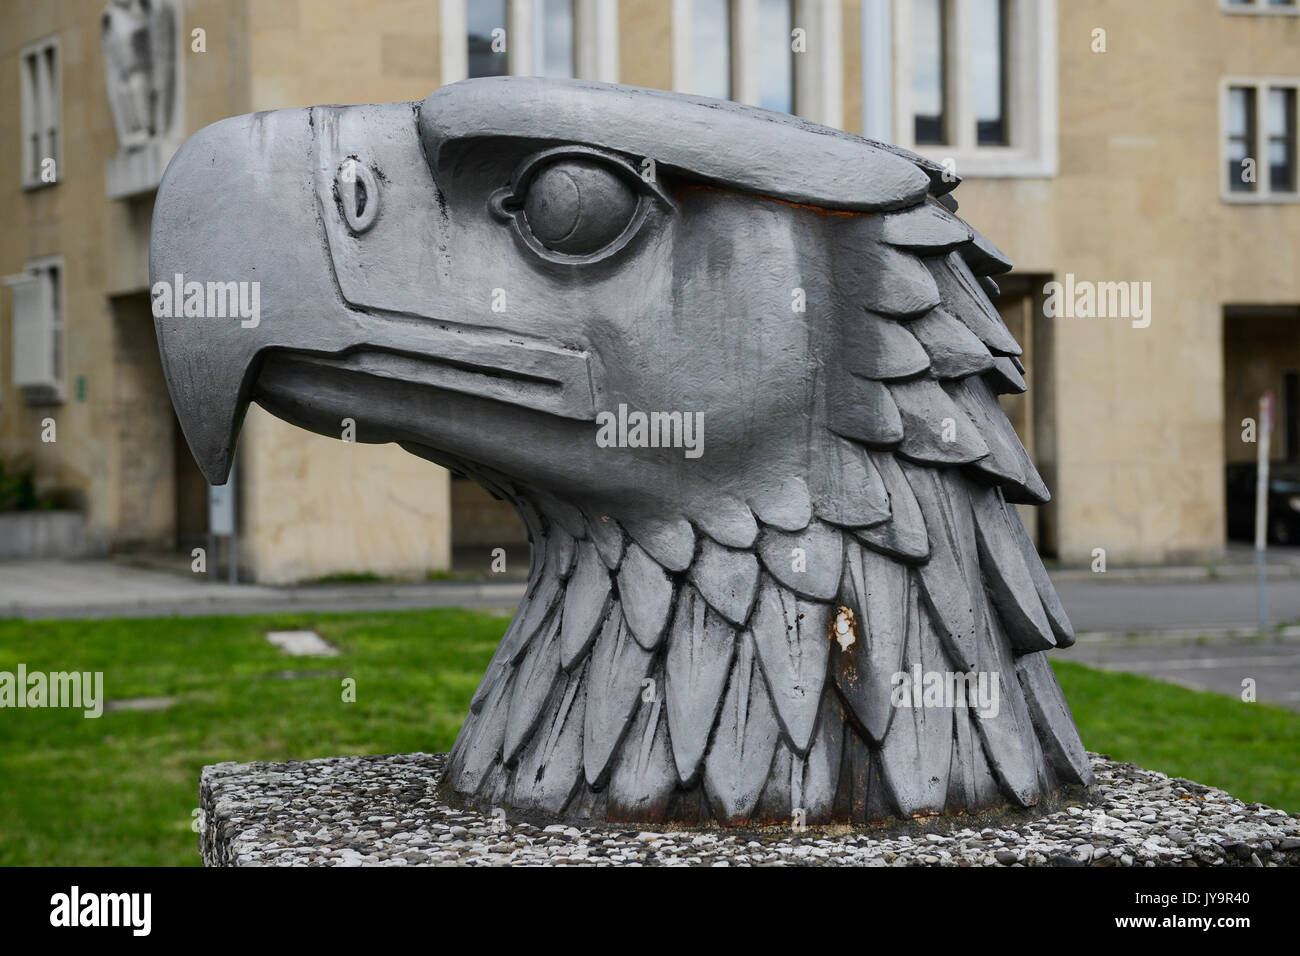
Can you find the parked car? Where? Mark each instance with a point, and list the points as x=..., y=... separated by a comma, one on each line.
x=1283, y=502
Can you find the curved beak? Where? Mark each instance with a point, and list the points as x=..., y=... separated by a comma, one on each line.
x=227, y=241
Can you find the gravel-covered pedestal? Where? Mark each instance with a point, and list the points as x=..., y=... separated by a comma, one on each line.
x=385, y=811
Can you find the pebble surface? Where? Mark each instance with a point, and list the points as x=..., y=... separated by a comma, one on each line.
x=385, y=811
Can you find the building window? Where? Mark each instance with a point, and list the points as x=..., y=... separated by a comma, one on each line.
x=38, y=323
x=974, y=82
x=553, y=44
x=744, y=50
x=1259, y=121
x=775, y=56
x=487, y=38
x=1260, y=6
x=928, y=86
x=556, y=38
x=1241, y=137
x=711, y=48
x=1281, y=140
x=40, y=113
x=989, y=55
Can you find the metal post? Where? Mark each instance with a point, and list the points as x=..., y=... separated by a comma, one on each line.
x=1261, y=508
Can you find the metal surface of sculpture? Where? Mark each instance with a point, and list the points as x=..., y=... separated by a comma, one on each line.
x=737, y=372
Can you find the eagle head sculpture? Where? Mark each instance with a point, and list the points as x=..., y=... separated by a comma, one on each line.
x=737, y=372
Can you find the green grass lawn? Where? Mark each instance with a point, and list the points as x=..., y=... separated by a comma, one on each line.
x=122, y=789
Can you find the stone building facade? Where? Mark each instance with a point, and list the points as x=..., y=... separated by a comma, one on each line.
x=1101, y=144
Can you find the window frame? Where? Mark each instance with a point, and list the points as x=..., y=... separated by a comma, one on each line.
x=595, y=39
x=1260, y=8
x=1030, y=91
x=816, y=76
x=1263, y=192
x=53, y=392
x=32, y=111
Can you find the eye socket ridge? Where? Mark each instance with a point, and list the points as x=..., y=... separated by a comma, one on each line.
x=576, y=204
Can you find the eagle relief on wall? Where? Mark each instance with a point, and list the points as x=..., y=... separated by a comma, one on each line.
x=140, y=40
x=832, y=613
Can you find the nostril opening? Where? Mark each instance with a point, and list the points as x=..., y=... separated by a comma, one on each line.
x=356, y=190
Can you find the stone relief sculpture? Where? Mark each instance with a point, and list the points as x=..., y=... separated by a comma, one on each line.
x=139, y=45
x=139, y=41
x=738, y=373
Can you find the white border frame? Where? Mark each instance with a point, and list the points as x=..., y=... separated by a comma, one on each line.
x=26, y=118
x=1261, y=193
x=1031, y=107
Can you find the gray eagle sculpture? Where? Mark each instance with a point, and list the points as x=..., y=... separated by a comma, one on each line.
x=737, y=372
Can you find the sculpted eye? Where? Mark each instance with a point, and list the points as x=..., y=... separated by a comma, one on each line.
x=574, y=204
x=578, y=206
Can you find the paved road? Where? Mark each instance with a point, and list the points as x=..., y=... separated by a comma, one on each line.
x=1120, y=604
x=1116, y=601
x=64, y=589
x=1220, y=665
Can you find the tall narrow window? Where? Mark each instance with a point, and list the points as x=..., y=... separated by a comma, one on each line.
x=1281, y=140
x=40, y=99
x=37, y=330
x=711, y=49
x=775, y=57
x=928, y=99
x=989, y=53
x=554, y=44
x=486, y=17
x=1241, y=137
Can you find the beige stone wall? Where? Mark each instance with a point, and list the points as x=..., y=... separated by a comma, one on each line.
x=316, y=506
x=1132, y=436
x=645, y=52
x=1139, y=412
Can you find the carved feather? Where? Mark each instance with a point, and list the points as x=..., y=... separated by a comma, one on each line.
x=864, y=410
x=643, y=779
x=881, y=348
x=877, y=590
x=926, y=228
x=807, y=562
x=586, y=600
x=533, y=682
x=848, y=490
x=791, y=637
x=904, y=535
x=935, y=432
x=727, y=579
x=955, y=351
x=617, y=666
x=736, y=767
x=787, y=505
x=701, y=648
x=670, y=541
x=646, y=593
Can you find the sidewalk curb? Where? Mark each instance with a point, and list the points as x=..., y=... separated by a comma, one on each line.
x=1166, y=575
x=1244, y=634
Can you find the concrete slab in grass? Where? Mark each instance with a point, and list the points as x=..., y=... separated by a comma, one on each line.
x=302, y=643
